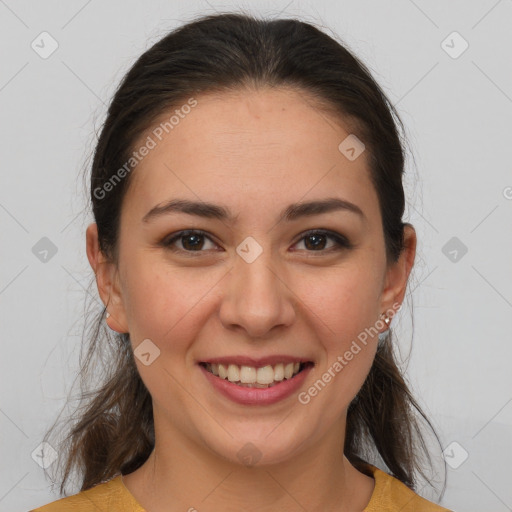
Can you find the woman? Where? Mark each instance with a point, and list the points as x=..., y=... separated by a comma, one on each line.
x=249, y=249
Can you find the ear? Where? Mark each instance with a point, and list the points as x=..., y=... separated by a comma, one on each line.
x=397, y=273
x=107, y=281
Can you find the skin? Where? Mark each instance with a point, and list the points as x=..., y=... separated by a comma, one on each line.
x=254, y=152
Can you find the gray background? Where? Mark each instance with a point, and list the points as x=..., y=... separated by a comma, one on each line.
x=457, y=109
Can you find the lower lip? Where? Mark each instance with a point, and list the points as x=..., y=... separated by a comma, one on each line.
x=256, y=396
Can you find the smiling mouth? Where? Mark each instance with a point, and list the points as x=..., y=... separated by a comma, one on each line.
x=252, y=377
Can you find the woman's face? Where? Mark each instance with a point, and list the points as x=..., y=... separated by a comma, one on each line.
x=252, y=289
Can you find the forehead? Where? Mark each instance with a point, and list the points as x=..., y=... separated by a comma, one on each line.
x=249, y=148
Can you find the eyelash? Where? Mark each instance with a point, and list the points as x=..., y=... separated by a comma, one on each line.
x=340, y=241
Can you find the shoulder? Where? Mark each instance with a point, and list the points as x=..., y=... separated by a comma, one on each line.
x=109, y=496
x=392, y=495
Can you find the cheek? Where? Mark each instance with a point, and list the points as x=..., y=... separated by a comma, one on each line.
x=163, y=303
x=342, y=302
x=344, y=307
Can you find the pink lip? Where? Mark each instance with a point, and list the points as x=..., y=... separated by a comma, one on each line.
x=255, y=362
x=256, y=396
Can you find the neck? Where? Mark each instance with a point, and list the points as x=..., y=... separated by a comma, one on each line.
x=183, y=475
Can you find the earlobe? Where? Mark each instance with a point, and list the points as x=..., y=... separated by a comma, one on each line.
x=106, y=273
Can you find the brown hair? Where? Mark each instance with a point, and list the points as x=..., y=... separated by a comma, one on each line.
x=113, y=431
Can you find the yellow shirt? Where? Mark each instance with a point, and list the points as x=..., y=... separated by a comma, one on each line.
x=389, y=495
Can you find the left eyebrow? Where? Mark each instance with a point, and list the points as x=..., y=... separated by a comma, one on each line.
x=214, y=211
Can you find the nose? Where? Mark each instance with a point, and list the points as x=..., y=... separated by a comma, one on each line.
x=257, y=298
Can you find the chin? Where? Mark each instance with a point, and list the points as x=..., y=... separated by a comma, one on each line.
x=259, y=449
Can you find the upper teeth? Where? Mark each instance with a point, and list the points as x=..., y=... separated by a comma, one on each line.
x=251, y=375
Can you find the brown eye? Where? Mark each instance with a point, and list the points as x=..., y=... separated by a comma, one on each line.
x=316, y=241
x=190, y=241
